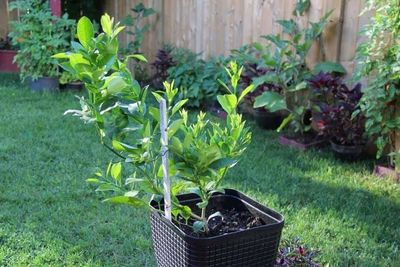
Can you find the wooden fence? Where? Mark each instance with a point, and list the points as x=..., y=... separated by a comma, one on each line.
x=214, y=27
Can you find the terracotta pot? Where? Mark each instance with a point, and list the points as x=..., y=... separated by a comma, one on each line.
x=386, y=172
x=6, y=61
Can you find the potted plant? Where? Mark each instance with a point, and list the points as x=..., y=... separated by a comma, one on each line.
x=324, y=87
x=337, y=115
x=288, y=59
x=39, y=35
x=379, y=63
x=175, y=165
x=264, y=118
x=7, y=54
x=69, y=82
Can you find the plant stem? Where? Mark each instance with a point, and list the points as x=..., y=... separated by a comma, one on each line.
x=204, y=219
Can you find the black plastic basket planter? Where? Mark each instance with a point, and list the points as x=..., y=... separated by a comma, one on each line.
x=252, y=247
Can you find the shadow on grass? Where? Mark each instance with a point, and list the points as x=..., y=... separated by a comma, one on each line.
x=315, y=185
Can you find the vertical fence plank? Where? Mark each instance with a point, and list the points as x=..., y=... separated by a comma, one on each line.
x=215, y=27
x=3, y=19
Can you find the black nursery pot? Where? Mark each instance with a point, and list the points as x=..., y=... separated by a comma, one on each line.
x=251, y=247
x=267, y=120
x=349, y=153
x=74, y=86
x=44, y=84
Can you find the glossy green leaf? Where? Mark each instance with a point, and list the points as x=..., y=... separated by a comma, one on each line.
x=106, y=24
x=228, y=102
x=272, y=101
x=138, y=57
x=246, y=91
x=116, y=85
x=174, y=127
x=85, y=31
x=285, y=122
x=198, y=226
x=93, y=180
x=116, y=171
x=132, y=201
x=223, y=163
x=178, y=106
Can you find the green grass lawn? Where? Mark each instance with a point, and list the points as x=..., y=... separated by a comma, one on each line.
x=49, y=216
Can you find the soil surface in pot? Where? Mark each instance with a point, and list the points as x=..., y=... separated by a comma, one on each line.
x=231, y=221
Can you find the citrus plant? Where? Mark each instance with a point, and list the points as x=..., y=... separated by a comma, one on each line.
x=200, y=153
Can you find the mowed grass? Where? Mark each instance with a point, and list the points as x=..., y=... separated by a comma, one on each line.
x=49, y=216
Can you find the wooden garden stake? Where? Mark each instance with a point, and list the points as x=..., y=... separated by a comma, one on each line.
x=164, y=157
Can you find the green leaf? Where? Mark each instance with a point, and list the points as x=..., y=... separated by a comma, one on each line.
x=272, y=101
x=302, y=6
x=133, y=193
x=116, y=85
x=107, y=187
x=174, y=127
x=223, y=163
x=299, y=87
x=186, y=212
x=77, y=59
x=329, y=67
x=285, y=122
x=106, y=24
x=178, y=106
x=176, y=145
x=85, y=31
x=157, y=96
x=116, y=171
x=93, y=180
x=155, y=113
x=289, y=26
x=228, y=102
x=202, y=204
x=61, y=56
x=258, y=46
x=132, y=201
x=247, y=90
x=138, y=57
x=267, y=78
x=198, y=226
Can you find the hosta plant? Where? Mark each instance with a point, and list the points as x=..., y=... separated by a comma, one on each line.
x=200, y=152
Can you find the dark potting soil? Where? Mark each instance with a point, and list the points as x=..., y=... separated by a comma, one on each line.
x=230, y=221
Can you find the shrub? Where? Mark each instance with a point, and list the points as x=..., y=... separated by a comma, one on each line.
x=334, y=105
x=39, y=35
x=379, y=60
x=196, y=78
